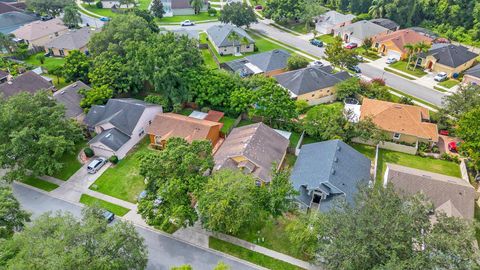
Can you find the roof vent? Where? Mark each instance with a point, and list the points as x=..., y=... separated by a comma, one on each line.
x=108, y=135
x=335, y=159
x=333, y=171
x=339, y=148
x=74, y=85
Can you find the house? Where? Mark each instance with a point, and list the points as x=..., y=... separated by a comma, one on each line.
x=120, y=124
x=328, y=171
x=181, y=7
x=403, y=123
x=451, y=195
x=472, y=76
x=448, y=58
x=393, y=44
x=314, y=84
x=268, y=63
x=228, y=39
x=331, y=20
x=359, y=31
x=386, y=23
x=254, y=149
x=114, y=4
x=27, y=82
x=11, y=21
x=170, y=125
x=75, y=39
x=3, y=76
x=70, y=97
x=39, y=33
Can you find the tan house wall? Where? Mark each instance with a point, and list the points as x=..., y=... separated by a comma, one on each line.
x=390, y=46
x=56, y=51
x=436, y=67
x=231, y=49
x=471, y=80
x=318, y=94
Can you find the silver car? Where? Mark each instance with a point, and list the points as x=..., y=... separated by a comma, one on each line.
x=96, y=164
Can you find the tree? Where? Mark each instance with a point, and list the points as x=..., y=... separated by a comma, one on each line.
x=303, y=232
x=222, y=266
x=367, y=44
x=466, y=98
x=339, y=56
x=274, y=102
x=348, y=88
x=157, y=9
x=469, y=130
x=283, y=10
x=327, y=122
x=50, y=7
x=197, y=5
x=295, y=62
x=56, y=71
x=183, y=267
x=237, y=13
x=40, y=58
x=355, y=236
x=95, y=96
x=368, y=131
x=111, y=70
x=148, y=17
x=241, y=100
x=21, y=51
x=71, y=16
x=406, y=100
x=34, y=135
x=310, y=10
x=173, y=176
x=281, y=193
x=89, y=2
x=228, y=202
x=62, y=242
x=419, y=48
x=76, y=67
x=12, y=217
x=410, y=48
x=377, y=9
x=7, y=43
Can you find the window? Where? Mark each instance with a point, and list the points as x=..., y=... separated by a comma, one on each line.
x=149, y=122
x=142, y=131
x=62, y=53
x=396, y=136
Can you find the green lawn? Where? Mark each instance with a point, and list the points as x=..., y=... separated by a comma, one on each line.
x=186, y=111
x=208, y=59
x=417, y=162
x=143, y=4
x=369, y=54
x=290, y=160
x=248, y=255
x=124, y=181
x=327, y=38
x=50, y=62
x=39, y=183
x=101, y=12
x=402, y=66
x=297, y=27
x=449, y=83
x=367, y=150
x=295, y=137
x=70, y=163
x=203, y=16
x=477, y=218
x=59, y=83
x=116, y=209
x=396, y=72
x=227, y=123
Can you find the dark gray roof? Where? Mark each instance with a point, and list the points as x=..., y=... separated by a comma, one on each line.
x=122, y=113
x=27, y=82
x=424, y=32
x=70, y=98
x=219, y=35
x=11, y=21
x=112, y=138
x=309, y=79
x=333, y=167
x=450, y=55
x=387, y=23
x=266, y=61
x=72, y=40
x=474, y=71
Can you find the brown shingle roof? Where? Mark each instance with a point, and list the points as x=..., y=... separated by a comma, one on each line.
x=38, y=29
x=259, y=144
x=454, y=196
x=402, y=37
x=399, y=118
x=169, y=125
x=27, y=82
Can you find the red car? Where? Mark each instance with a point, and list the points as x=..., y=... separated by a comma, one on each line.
x=351, y=45
x=444, y=132
x=452, y=146
x=259, y=7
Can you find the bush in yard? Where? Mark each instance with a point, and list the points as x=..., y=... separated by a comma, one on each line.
x=99, y=4
x=157, y=99
x=212, y=12
x=295, y=62
x=113, y=159
x=205, y=109
x=88, y=152
x=40, y=58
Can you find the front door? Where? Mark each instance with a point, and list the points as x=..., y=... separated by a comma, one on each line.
x=237, y=49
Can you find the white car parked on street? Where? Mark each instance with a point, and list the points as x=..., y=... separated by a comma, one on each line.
x=316, y=63
x=187, y=23
x=391, y=60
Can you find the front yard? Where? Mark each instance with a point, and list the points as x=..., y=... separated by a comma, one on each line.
x=449, y=83
x=92, y=201
x=417, y=162
x=39, y=183
x=327, y=38
x=402, y=66
x=123, y=180
x=70, y=163
x=203, y=16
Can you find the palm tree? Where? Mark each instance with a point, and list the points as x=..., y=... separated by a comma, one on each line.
x=410, y=49
x=7, y=43
x=419, y=48
x=377, y=9
x=197, y=5
x=71, y=16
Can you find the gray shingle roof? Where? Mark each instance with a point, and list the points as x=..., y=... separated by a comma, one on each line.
x=122, y=113
x=333, y=17
x=13, y=20
x=70, y=98
x=387, y=23
x=27, y=82
x=266, y=61
x=363, y=29
x=71, y=40
x=219, y=35
x=4, y=8
x=309, y=79
x=258, y=143
x=333, y=167
x=474, y=71
x=112, y=138
x=451, y=55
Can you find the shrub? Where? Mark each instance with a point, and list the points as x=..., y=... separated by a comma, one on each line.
x=205, y=109
x=99, y=4
x=156, y=99
x=296, y=62
x=40, y=58
x=177, y=107
x=212, y=12
x=113, y=159
x=88, y=152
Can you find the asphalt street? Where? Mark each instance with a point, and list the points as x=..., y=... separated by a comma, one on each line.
x=164, y=251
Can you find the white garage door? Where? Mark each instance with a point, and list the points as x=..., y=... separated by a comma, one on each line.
x=394, y=54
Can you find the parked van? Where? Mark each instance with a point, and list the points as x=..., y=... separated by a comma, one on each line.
x=96, y=164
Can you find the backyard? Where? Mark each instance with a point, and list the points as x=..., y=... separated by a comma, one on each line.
x=402, y=66
x=417, y=162
x=123, y=180
x=366, y=150
x=50, y=62
x=92, y=201
x=227, y=123
x=70, y=163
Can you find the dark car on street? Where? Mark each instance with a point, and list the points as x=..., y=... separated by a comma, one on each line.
x=316, y=42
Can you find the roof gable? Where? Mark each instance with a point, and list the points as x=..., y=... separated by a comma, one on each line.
x=363, y=29
x=27, y=82
x=271, y=60
x=220, y=35
x=70, y=98
x=71, y=40
x=451, y=55
x=474, y=71
x=402, y=37
x=38, y=29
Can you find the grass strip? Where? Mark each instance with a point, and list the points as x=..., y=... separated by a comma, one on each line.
x=248, y=255
x=39, y=183
x=284, y=45
x=116, y=209
x=439, y=89
x=414, y=98
x=399, y=74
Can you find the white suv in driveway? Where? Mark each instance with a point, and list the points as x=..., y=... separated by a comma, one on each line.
x=440, y=77
x=96, y=164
